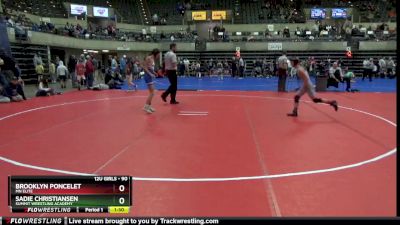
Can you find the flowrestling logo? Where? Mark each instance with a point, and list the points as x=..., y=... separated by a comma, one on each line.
x=100, y=11
x=78, y=9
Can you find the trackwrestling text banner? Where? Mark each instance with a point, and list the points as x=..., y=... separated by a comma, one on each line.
x=104, y=221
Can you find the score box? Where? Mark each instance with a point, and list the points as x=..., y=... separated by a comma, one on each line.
x=52, y=193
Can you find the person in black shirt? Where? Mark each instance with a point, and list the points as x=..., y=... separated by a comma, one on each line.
x=234, y=67
x=71, y=69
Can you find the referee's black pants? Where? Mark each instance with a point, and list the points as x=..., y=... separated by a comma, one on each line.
x=173, y=87
x=282, y=80
x=367, y=73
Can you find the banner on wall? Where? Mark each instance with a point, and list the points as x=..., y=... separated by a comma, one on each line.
x=218, y=15
x=45, y=19
x=100, y=11
x=78, y=9
x=274, y=46
x=199, y=15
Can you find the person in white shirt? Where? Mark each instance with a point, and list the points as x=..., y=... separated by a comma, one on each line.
x=390, y=65
x=62, y=73
x=44, y=90
x=241, y=67
x=283, y=66
x=367, y=71
x=37, y=60
x=198, y=72
x=335, y=75
x=171, y=66
x=382, y=67
x=155, y=19
x=186, y=62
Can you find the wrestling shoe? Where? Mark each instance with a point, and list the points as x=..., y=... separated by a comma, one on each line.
x=293, y=114
x=147, y=109
x=164, y=98
x=334, y=104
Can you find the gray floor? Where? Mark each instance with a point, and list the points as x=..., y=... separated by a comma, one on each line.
x=30, y=89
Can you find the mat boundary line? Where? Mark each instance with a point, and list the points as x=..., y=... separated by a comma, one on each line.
x=273, y=176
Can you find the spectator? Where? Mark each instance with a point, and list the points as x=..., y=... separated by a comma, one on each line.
x=210, y=66
x=181, y=67
x=80, y=72
x=234, y=67
x=114, y=65
x=219, y=69
x=57, y=60
x=39, y=71
x=155, y=19
x=37, y=59
x=52, y=72
x=382, y=67
x=312, y=66
x=241, y=67
x=374, y=68
x=62, y=73
x=186, y=63
x=3, y=84
x=129, y=73
x=258, y=67
x=43, y=89
x=197, y=69
x=348, y=76
x=9, y=68
x=368, y=66
x=96, y=66
x=89, y=71
x=335, y=75
x=390, y=68
x=286, y=32
x=67, y=27
x=9, y=21
x=71, y=69
x=267, y=33
x=14, y=90
x=122, y=65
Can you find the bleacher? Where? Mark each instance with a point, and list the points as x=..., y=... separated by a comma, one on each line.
x=23, y=54
x=129, y=11
x=102, y=3
x=165, y=9
x=52, y=8
x=354, y=64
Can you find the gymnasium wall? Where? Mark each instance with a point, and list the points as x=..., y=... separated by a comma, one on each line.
x=174, y=28
x=381, y=45
x=74, y=43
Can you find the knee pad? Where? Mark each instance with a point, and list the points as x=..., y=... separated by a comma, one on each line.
x=296, y=98
x=317, y=100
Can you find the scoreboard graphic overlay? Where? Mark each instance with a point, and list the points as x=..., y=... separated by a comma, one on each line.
x=70, y=194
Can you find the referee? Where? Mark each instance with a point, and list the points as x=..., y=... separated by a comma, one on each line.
x=170, y=67
x=282, y=72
